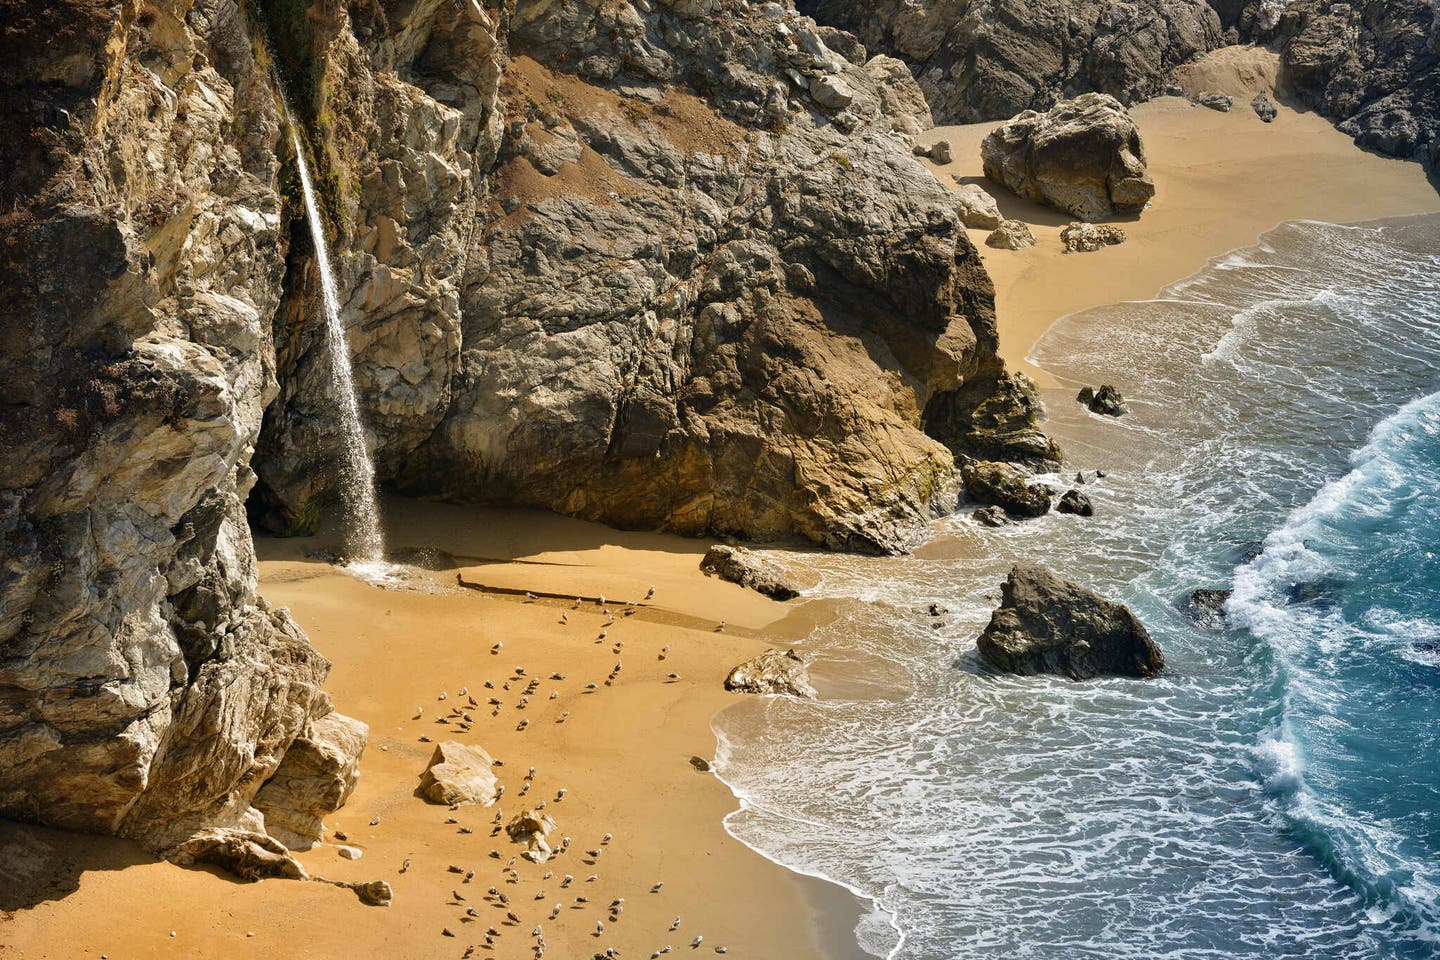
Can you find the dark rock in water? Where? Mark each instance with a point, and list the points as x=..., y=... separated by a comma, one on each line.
x=1084, y=157
x=739, y=565
x=774, y=671
x=1263, y=108
x=1073, y=501
x=935, y=610
x=1215, y=101
x=1320, y=592
x=1107, y=401
x=1206, y=607
x=1047, y=624
x=991, y=516
x=994, y=420
x=1005, y=485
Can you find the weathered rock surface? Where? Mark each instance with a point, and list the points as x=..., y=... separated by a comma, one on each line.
x=1089, y=237
x=1215, y=101
x=990, y=59
x=1006, y=486
x=672, y=312
x=978, y=209
x=532, y=828
x=741, y=566
x=1046, y=624
x=145, y=688
x=1106, y=401
x=315, y=778
x=1372, y=66
x=1264, y=108
x=1073, y=501
x=249, y=856
x=991, y=516
x=773, y=672
x=998, y=421
x=1011, y=235
x=458, y=773
x=1083, y=156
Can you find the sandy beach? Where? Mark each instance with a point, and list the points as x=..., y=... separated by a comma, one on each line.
x=621, y=752
x=1222, y=179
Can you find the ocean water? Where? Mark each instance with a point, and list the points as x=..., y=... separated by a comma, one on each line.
x=1277, y=792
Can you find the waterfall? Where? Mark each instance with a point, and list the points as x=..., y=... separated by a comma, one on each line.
x=364, y=543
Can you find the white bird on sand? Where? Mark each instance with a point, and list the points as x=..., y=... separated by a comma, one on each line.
x=675, y=923
x=599, y=927
x=657, y=886
x=567, y=881
x=696, y=942
x=564, y=617
x=604, y=634
x=649, y=593
x=443, y=695
x=721, y=627
x=607, y=838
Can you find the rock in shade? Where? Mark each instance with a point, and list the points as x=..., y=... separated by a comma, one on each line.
x=1263, y=108
x=1206, y=606
x=1215, y=101
x=1073, y=501
x=247, y=855
x=978, y=209
x=774, y=671
x=1106, y=401
x=1007, y=486
x=1089, y=237
x=315, y=778
x=459, y=774
x=1011, y=235
x=1084, y=156
x=1047, y=624
x=941, y=153
x=741, y=566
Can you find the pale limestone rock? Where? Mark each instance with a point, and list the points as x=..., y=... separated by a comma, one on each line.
x=314, y=779
x=773, y=672
x=459, y=774
x=977, y=208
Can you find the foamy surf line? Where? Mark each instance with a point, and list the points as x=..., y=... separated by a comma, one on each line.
x=877, y=909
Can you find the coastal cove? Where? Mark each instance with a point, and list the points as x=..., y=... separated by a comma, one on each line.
x=763, y=479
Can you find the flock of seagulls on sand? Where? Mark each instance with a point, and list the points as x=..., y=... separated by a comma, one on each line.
x=461, y=717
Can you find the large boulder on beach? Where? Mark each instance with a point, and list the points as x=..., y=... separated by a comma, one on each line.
x=1047, y=624
x=1083, y=156
x=1011, y=235
x=459, y=774
x=315, y=778
x=1106, y=401
x=773, y=672
x=1089, y=237
x=741, y=566
x=1006, y=486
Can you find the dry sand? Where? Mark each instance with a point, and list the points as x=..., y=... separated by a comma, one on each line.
x=622, y=754
x=1222, y=180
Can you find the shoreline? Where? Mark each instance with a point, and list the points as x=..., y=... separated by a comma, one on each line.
x=1223, y=180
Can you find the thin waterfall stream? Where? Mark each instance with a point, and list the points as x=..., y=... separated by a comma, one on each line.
x=364, y=541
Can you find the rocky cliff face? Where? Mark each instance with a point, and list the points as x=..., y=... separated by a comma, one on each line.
x=677, y=270
x=667, y=266
x=145, y=689
x=990, y=59
x=1373, y=66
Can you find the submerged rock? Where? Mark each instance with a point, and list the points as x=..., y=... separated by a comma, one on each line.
x=1007, y=486
x=1089, y=237
x=773, y=672
x=1011, y=235
x=1046, y=624
x=741, y=566
x=459, y=774
x=1106, y=401
x=1206, y=606
x=991, y=516
x=1084, y=157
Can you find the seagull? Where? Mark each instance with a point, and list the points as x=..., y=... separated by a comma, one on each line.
x=564, y=617
x=443, y=695
x=522, y=725
x=463, y=691
x=555, y=912
x=616, y=902
x=607, y=838
x=510, y=915
x=649, y=593
x=696, y=942
x=721, y=627
x=657, y=886
x=567, y=881
x=675, y=923
x=554, y=694
x=561, y=794
x=604, y=634
x=599, y=927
